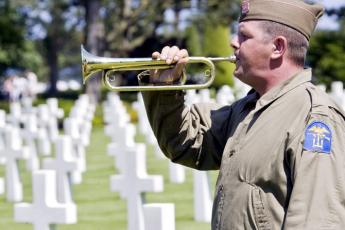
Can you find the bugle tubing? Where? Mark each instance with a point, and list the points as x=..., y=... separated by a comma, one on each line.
x=92, y=64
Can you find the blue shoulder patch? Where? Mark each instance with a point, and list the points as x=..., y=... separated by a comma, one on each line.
x=318, y=137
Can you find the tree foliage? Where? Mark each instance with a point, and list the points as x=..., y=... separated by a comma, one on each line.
x=326, y=56
x=219, y=12
x=129, y=23
x=327, y=51
x=216, y=44
x=15, y=50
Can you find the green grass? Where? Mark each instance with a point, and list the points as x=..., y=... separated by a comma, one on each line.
x=100, y=209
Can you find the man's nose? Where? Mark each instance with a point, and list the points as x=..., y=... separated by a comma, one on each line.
x=234, y=42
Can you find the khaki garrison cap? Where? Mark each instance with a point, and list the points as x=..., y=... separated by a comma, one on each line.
x=296, y=14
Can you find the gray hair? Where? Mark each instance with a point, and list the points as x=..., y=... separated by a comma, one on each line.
x=297, y=43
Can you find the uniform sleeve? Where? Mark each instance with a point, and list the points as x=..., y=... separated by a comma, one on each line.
x=318, y=175
x=193, y=136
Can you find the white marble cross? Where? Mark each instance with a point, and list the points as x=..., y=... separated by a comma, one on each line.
x=2, y=133
x=71, y=129
x=53, y=129
x=241, y=89
x=225, y=95
x=177, y=173
x=82, y=114
x=143, y=122
x=145, y=128
x=45, y=211
x=54, y=109
x=2, y=186
x=44, y=145
x=27, y=107
x=191, y=97
x=202, y=197
x=118, y=147
x=64, y=164
x=12, y=152
x=29, y=134
x=205, y=96
x=337, y=93
x=2, y=118
x=116, y=114
x=133, y=182
x=14, y=117
x=48, y=122
x=159, y=216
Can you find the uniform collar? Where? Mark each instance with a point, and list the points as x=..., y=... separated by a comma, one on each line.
x=284, y=87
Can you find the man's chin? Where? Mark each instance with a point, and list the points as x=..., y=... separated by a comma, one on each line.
x=237, y=74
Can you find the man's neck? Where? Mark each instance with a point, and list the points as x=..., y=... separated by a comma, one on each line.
x=276, y=76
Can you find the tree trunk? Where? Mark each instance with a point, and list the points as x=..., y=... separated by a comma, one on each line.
x=52, y=58
x=94, y=34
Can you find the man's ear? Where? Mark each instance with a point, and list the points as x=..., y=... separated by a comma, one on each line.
x=279, y=47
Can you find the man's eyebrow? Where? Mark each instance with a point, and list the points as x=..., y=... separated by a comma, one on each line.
x=241, y=27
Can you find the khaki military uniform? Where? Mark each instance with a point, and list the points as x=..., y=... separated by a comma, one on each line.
x=281, y=156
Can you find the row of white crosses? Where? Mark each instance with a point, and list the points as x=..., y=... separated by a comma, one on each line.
x=144, y=126
x=133, y=181
x=50, y=205
x=202, y=192
x=176, y=172
x=19, y=144
x=2, y=144
x=202, y=195
x=78, y=125
x=59, y=208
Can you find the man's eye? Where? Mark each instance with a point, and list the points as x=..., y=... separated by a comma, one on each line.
x=242, y=37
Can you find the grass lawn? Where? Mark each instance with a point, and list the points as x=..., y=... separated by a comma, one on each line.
x=98, y=208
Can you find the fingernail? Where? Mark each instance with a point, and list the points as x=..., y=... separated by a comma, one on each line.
x=168, y=60
x=176, y=58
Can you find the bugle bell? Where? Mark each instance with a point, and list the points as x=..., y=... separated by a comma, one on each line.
x=92, y=64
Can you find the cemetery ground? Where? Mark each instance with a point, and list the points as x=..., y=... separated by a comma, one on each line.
x=100, y=209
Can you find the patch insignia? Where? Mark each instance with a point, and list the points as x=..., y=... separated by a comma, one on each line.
x=318, y=137
x=245, y=7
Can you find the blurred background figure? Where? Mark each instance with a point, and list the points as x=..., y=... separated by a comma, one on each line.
x=13, y=87
x=31, y=86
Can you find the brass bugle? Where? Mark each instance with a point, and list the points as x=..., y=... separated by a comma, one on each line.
x=92, y=64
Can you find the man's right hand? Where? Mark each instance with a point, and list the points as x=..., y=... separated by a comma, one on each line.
x=171, y=55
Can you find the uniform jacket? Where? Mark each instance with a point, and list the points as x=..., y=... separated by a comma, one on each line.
x=281, y=156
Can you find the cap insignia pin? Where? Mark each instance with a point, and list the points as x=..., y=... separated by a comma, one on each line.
x=245, y=7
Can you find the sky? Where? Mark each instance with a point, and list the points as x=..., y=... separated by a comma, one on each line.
x=325, y=21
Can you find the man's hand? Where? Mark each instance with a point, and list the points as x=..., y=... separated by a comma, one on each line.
x=171, y=55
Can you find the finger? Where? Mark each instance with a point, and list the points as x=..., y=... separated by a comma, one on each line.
x=181, y=64
x=164, y=53
x=172, y=54
x=182, y=57
x=155, y=55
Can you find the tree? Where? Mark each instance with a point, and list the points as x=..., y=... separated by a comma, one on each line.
x=129, y=23
x=94, y=40
x=116, y=28
x=50, y=26
x=15, y=50
x=216, y=44
x=326, y=56
x=219, y=12
x=327, y=51
x=210, y=32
